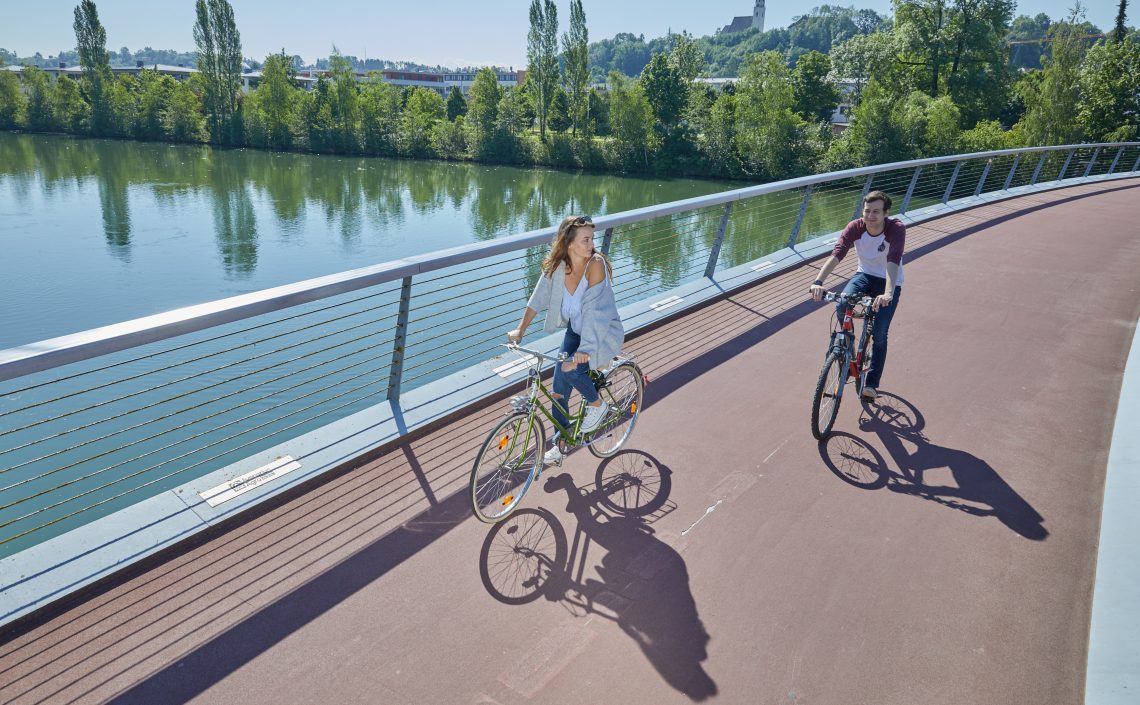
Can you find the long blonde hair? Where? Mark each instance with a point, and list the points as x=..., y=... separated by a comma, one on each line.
x=560, y=252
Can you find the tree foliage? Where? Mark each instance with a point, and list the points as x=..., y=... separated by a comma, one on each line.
x=219, y=59
x=576, y=57
x=91, y=40
x=542, y=58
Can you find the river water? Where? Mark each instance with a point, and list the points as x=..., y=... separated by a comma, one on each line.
x=101, y=231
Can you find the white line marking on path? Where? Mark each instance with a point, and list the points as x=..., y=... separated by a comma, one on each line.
x=698, y=521
x=775, y=451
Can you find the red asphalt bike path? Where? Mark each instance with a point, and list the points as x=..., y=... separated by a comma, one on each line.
x=939, y=547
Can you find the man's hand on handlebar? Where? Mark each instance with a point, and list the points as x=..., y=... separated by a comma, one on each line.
x=881, y=301
x=816, y=291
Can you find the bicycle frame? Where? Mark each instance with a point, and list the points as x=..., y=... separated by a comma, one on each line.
x=535, y=387
x=853, y=356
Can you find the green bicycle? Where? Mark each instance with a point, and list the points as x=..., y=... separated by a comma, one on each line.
x=510, y=460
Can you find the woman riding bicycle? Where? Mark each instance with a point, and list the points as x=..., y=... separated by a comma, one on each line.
x=576, y=290
x=879, y=243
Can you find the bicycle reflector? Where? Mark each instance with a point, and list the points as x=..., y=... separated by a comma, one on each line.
x=507, y=499
x=503, y=441
x=633, y=408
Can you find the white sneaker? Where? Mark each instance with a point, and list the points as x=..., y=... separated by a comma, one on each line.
x=553, y=456
x=594, y=416
x=870, y=393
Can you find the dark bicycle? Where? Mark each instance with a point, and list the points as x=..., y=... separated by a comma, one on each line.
x=845, y=360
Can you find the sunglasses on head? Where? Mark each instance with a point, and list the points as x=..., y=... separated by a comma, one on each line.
x=583, y=220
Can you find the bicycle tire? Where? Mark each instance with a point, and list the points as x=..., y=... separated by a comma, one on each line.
x=828, y=394
x=864, y=369
x=498, y=485
x=623, y=391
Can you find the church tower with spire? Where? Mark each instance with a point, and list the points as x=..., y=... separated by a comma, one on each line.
x=758, y=16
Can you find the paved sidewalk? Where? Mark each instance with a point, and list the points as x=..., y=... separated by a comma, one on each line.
x=939, y=548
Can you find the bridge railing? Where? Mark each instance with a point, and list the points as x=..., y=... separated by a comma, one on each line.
x=95, y=422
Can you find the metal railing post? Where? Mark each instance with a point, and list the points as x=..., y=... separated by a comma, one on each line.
x=1112, y=167
x=800, y=218
x=1065, y=166
x=985, y=173
x=607, y=238
x=1037, y=171
x=714, y=255
x=859, y=203
x=1012, y=171
x=1088, y=169
x=910, y=190
x=950, y=186
x=1136, y=164
x=400, y=343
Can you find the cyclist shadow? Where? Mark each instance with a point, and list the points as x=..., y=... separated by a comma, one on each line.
x=639, y=582
x=978, y=489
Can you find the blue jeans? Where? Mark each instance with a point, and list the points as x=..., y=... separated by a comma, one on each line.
x=868, y=285
x=576, y=379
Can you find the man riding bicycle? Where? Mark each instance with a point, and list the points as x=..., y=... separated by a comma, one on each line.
x=879, y=243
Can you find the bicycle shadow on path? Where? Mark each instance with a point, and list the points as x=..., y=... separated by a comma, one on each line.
x=978, y=489
x=642, y=582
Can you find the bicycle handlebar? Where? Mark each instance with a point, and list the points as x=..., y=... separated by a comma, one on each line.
x=515, y=347
x=849, y=299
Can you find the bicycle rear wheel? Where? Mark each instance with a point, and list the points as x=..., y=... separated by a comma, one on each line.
x=623, y=391
x=828, y=394
x=505, y=467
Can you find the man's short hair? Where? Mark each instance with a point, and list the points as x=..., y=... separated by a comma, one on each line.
x=878, y=196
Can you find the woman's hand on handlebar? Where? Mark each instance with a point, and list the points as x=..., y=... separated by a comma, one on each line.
x=514, y=336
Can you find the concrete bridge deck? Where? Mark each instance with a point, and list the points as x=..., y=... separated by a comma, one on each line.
x=940, y=547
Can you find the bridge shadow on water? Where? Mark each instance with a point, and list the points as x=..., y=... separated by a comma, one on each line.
x=978, y=489
x=639, y=582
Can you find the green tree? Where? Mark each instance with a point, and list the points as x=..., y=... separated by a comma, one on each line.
x=1119, y=30
x=13, y=102
x=69, y=110
x=665, y=88
x=687, y=56
x=770, y=138
x=942, y=127
x=1025, y=29
x=816, y=97
x=1109, y=104
x=483, y=113
x=575, y=52
x=598, y=115
x=542, y=58
x=155, y=93
x=456, y=104
x=864, y=58
x=38, y=88
x=91, y=40
x=219, y=59
x=448, y=140
x=559, y=118
x=958, y=47
x=381, y=107
x=182, y=118
x=273, y=101
x=631, y=121
x=718, y=140
x=342, y=99
x=986, y=136
x=124, y=105
x=1051, y=104
x=873, y=137
x=423, y=110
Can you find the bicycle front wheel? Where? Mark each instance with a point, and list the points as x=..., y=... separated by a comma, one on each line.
x=828, y=393
x=865, y=368
x=507, y=464
x=623, y=391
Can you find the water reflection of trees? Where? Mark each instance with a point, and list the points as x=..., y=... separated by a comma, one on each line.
x=359, y=197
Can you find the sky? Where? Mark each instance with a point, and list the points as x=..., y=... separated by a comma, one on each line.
x=434, y=32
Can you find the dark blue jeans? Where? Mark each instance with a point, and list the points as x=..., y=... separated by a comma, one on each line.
x=576, y=379
x=867, y=285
